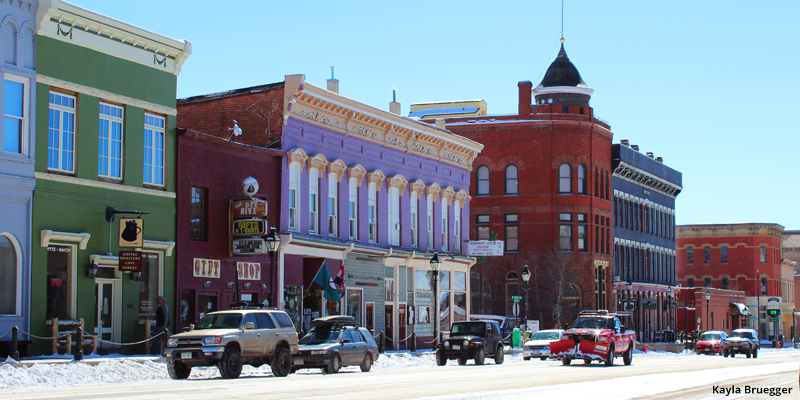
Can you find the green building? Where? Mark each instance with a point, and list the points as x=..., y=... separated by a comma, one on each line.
x=105, y=140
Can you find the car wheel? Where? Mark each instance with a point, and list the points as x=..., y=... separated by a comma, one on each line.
x=755, y=352
x=610, y=357
x=462, y=360
x=749, y=353
x=627, y=358
x=480, y=356
x=566, y=361
x=230, y=366
x=725, y=353
x=366, y=365
x=525, y=358
x=178, y=370
x=441, y=359
x=336, y=363
x=733, y=354
x=499, y=355
x=543, y=358
x=281, y=362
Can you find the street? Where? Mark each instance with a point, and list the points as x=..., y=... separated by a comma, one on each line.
x=652, y=376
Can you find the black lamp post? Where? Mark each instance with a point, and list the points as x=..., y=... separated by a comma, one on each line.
x=273, y=241
x=669, y=306
x=526, y=275
x=435, y=264
x=708, y=300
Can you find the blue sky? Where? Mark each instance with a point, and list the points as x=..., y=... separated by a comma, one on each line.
x=710, y=86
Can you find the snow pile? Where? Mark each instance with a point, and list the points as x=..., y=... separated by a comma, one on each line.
x=43, y=375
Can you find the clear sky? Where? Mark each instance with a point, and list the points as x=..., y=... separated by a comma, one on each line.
x=710, y=86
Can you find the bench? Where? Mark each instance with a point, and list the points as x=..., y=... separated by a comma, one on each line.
x=65, y=342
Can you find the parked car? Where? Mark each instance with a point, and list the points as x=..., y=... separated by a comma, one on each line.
x=228, y=339
x=472, y=340
x=741, y=341
x=710, y=342
x=539, y=344
x=334, y=342
x=507, y=324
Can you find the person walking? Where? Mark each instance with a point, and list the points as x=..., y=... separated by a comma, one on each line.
x=162, y=323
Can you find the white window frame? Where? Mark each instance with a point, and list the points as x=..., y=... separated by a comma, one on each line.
x=58, y=149
x=429, y=201
x=109, y=159
x=333, y=204
x=151, y=134
x=23, y=134
x=394, y=216
x=294, y=203
x=457, y=226
x=353, y=208
x=313, y=200
x=373, y=212
x=18, y=286
x=444, y=225
x=414, y=220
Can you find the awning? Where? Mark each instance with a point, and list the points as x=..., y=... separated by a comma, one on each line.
x=743, y=310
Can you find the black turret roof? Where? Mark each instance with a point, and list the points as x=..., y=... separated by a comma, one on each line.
x=562, y=72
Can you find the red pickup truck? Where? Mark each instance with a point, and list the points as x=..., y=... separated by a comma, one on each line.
x=595, y=336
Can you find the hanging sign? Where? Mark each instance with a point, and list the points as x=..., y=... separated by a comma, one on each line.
x=250, y=208
x=130, y=261
x=131, y=232
x=485, y=248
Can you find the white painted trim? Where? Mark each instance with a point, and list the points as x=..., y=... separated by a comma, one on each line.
x=106, y=95
x=67, y=237
x=165, y=247
x=18, y=287
x=562, y=89
x=103, y=185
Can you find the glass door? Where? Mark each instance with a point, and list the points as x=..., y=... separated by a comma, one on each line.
x=105, y=315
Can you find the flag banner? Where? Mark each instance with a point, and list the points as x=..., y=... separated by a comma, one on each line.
x=325, y=280
x=339, y=281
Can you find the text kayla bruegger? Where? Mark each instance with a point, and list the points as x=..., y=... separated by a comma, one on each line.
x=772, y=391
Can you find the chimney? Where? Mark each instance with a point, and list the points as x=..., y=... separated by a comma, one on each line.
x=625, y=142
x=333, y=84
x=525, y=99
x=659, y=159
x=440, y=123
x=635, y=147
x=394, y=106
x=650, y=154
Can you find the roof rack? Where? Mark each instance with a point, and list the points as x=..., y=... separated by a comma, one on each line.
x=600, y=312
x=243, y=305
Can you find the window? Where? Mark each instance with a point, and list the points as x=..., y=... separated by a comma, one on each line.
x=707, y=282
x=153, y=150
x=430, y=220
x=394, y=216
x=313, y=200
x=565, y=232
x=724, y=283
x=9, y=277
x=59, y=282
x=581, y=179
x=444, y=300
x=690, y=282
x=149, y=285
x=706, y=255
x=110, y=146
x=564, y=109
x=482, y=222
x=582, y=231
x=690, y=255
x=414, y=219
x=763, y=286
x=565, y=178
x=763, y=254
x=333, y=204
x=353, y=208
x=445, y=232
x=511, y=179
x=15, y=114
x=198, y=221
x=61, y=133
x=483, y=180
x=294, y=203
x=373, y=213
x=459, y=296
x=723, y=254
x=457, y=226
x=512, y=232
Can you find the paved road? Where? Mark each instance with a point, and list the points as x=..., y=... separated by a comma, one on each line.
x=689, y=377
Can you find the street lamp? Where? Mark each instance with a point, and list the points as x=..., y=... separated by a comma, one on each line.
x=708, y=300
x=628, y=287
x=526, y=275
x=669, y=306
x=273, y=241
x=435, y=264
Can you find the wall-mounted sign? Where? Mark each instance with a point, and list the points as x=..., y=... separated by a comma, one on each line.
x=485, y=248
x=249, y=227
x=649, y=304
x=249, y=246
x=206, y=268
x=130, y=261
x=131, y=232
x=250, y=208
x=248, y=271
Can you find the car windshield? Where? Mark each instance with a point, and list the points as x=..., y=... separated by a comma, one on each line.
x=321, y=336
x=220, y=321
x=710, y=336
x=545, y=336
x=468, y=328
x=743, y=335
x=594, y=323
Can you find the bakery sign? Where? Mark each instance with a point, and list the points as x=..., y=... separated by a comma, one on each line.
x=206, y=268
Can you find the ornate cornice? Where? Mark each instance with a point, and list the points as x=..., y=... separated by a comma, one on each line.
x=398, y=181
x=729, y=230
x=357, y=171
x=637, y=176
x=434, y=189
x=337, y=167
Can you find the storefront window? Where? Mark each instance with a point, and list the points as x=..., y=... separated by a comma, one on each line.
x=59, y=265
x=293, y=303
x=8, y=277
x=148, y=286
x=460, y=296
x=354, y=305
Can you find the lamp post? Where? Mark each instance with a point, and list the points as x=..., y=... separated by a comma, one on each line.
x=526, y=275
x=628, y=287
x=669, y=306
x=435, y=264
x=708, y=301
x=794, y=325
x=273, y=241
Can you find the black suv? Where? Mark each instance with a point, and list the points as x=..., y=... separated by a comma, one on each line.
x=472, y=339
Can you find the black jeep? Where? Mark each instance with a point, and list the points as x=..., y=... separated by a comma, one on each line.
x=472, y=339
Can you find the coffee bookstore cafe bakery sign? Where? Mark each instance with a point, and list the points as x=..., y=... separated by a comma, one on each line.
x=249, y=227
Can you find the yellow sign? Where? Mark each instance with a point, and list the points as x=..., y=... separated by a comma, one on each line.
x=246, y=227
x=131, y=232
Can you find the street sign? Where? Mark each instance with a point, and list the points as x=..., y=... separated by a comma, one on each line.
x=485, y=248
x=250, y=208
x=516, y=298
x=249, y=246
x=130, y=261
x=515, y=309
x=250, y=227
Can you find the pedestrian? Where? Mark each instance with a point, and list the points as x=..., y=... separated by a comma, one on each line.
x=162, y=323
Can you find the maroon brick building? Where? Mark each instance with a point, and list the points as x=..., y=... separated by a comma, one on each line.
x=542, y=184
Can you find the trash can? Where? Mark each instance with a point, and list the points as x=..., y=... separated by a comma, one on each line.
x=516, y=338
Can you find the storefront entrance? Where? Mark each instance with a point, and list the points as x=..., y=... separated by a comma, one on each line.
x=106, y=314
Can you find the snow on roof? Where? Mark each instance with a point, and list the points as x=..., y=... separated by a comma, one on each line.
x=442, y=111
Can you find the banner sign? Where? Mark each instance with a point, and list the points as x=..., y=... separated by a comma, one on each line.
x=206, y=268
x=485, y=248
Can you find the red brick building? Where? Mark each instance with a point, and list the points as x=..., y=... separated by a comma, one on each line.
x=542, y=185
x=741, y=257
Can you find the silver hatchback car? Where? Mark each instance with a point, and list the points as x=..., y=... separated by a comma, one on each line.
x=334, y=342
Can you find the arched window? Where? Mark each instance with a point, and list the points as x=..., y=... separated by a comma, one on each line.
x=9, y=275
x=581, y=179
x=565, y=178
x=511, y=179
x=483, y=180
x=571, y=301
x=512, y=289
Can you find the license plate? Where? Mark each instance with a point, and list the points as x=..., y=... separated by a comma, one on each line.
x=186, y=355
x=456, y=347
